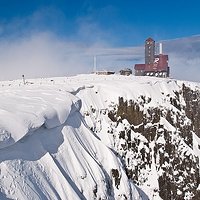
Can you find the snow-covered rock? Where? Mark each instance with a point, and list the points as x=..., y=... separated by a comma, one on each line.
x=97, y=137
x=49, y=152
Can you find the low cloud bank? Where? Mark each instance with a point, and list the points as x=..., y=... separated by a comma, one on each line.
x=184, y=57
x=44, y=55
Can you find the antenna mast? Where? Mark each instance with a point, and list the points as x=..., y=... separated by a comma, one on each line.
x=95, y=64
x=160, y=48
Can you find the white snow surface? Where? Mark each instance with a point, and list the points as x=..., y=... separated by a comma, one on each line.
x=47, y=150
x=23, y=110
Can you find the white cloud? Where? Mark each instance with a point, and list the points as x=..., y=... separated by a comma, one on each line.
x=41, y=55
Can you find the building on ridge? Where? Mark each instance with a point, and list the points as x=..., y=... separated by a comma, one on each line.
x=126, y=72
x=155, y=65
x=104, y=72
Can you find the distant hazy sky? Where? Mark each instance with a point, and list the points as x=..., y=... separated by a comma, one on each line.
x=59, y=37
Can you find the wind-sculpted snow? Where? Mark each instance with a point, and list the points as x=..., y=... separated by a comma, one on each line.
x=49, y=152
x=24, y=110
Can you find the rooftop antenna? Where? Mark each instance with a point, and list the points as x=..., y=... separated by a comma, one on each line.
x=160, y=48
x=95, y=64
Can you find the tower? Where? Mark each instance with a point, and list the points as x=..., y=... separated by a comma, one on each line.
x=156, y=63
x=149, y=51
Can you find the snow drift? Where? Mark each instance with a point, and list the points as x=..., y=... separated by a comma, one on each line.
x=23, y=110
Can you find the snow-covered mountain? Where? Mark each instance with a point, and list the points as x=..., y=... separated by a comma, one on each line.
x=99, y=137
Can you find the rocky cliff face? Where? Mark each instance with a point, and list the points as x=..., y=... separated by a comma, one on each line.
x=157, y=144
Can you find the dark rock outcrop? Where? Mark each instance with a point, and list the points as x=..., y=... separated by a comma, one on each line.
x=170, y=150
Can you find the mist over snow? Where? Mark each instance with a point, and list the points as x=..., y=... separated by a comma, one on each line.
x=44, y=55
x=40, y=55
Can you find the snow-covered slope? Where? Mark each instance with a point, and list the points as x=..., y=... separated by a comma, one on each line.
x=48, y=151
x=91, y=137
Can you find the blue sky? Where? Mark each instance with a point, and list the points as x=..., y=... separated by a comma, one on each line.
x=60, y=37
x=122, y=22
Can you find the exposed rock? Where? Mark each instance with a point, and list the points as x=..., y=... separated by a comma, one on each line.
x=176, y=165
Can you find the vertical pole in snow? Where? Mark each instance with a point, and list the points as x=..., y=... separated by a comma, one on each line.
x=23, y=78
x=95, y=64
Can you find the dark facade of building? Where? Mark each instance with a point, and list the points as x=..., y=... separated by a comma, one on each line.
x=139, y=69
x=155, y=65
x=149, y=51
